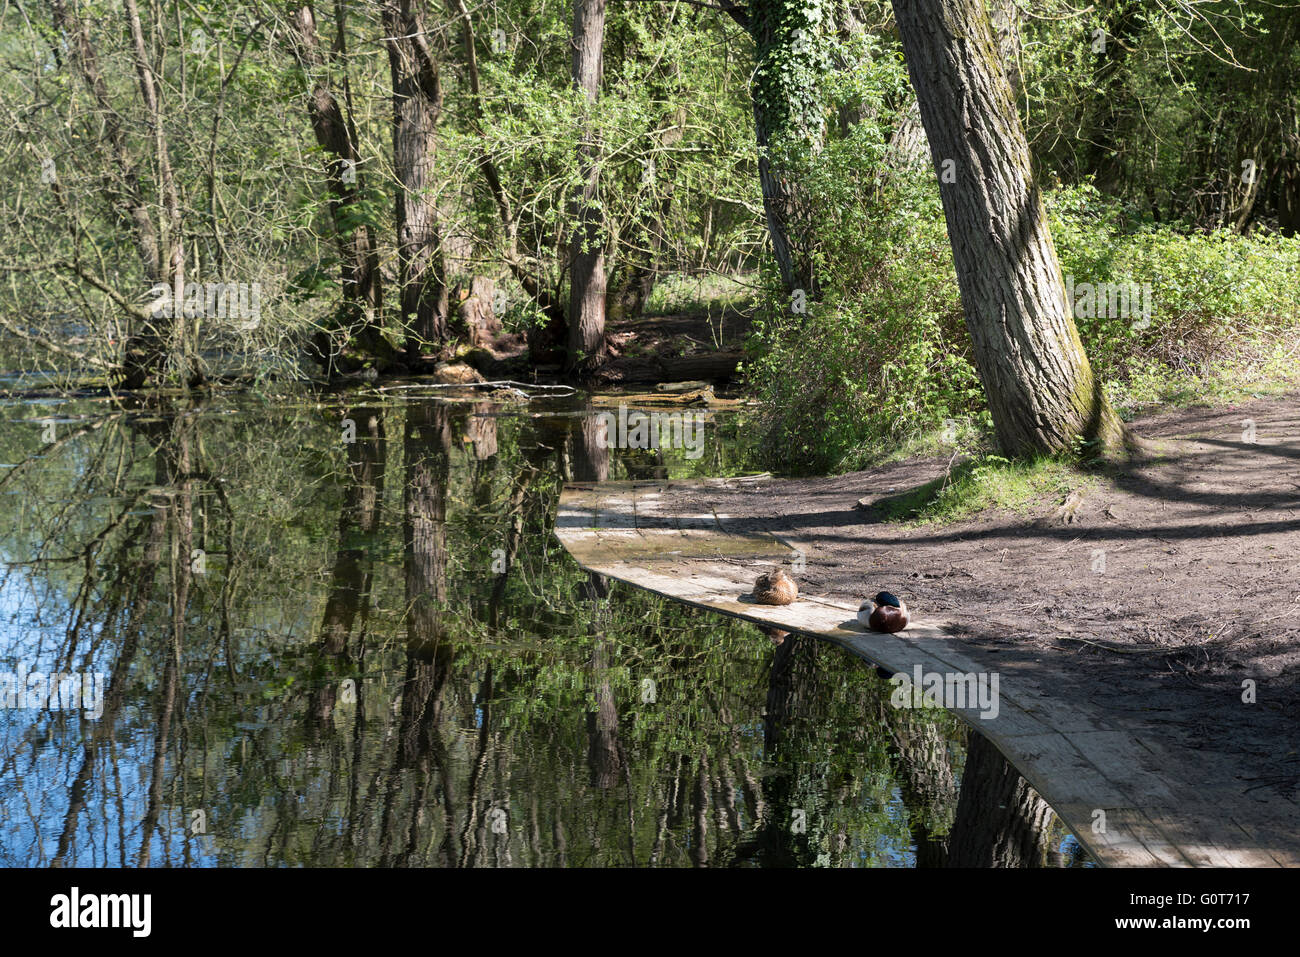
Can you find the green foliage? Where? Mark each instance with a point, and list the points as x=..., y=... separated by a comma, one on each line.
x=792, y=56
x=1167, y=111
x=681, y=293
x=883, y=360
x=676, y=160
x=1221, y=301
x=880, y=357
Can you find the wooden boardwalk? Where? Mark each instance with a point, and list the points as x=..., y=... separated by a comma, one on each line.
x=1160, y=807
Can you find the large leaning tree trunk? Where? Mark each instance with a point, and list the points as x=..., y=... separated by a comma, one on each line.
x=1041, y=391
x=417, y=104
x=1001, y=821
x=588, y=279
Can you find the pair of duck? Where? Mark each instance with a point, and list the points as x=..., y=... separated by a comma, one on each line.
x=886, y=612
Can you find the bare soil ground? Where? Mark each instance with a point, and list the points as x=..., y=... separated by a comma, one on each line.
x=1199, y=590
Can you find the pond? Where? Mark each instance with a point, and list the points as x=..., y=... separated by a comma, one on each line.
x=336, y=630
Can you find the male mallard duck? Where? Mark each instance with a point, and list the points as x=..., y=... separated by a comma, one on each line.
x=886, y=613
x=775, y=588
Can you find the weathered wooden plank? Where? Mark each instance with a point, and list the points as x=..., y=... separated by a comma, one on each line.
x=1158, y=811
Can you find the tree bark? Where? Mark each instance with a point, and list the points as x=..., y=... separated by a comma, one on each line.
x=417, y=104
x=606, y=762
x=358, y=518
x=591, y=450
x=780, y=207
x=1004, y=17
x=350, y=580
x=146, y=354
x=478, y=312
x=362, y=297
x=160, y=245
x=587, y=350
x=907, y=146
x=1041, y=390
x=1001, y=821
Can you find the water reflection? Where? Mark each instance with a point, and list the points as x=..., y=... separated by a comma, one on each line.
x=344, y=635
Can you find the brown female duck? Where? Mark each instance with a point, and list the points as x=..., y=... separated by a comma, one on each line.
x=775, y=588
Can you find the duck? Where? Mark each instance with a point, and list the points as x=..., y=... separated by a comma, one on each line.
x=886, y=612
x=775, y=588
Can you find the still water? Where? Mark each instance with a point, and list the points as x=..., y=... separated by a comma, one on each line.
x=337, y=630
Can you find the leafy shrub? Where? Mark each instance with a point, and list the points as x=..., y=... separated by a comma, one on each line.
x=1220, y=300
x=884, y=358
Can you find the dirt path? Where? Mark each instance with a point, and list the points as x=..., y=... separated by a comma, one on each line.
x=1144, y=615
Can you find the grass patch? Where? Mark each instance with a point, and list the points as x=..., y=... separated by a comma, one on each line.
x=986, y=482
x=1230, y=383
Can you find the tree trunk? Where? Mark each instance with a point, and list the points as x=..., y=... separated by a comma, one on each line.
x=478, y=312
x=591, y=450
x=780, y=206
x=419, y=742
x=908, y=148
x=426, y=445
x=630, y=286
x=1004, y=17
x=144, y=352
x=605, y=759
x=791, y=831
x=359, y=515
x=417, y=104
x=362, y=297
x=587, y=349
x=348, y=595
x=1001, y=821
x=1040, y=388
x=1111, y=110
x=785, y=40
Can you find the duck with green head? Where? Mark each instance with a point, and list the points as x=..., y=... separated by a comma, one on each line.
x=887, y=612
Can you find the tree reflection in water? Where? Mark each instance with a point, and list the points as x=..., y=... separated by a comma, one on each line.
x=374, y=652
